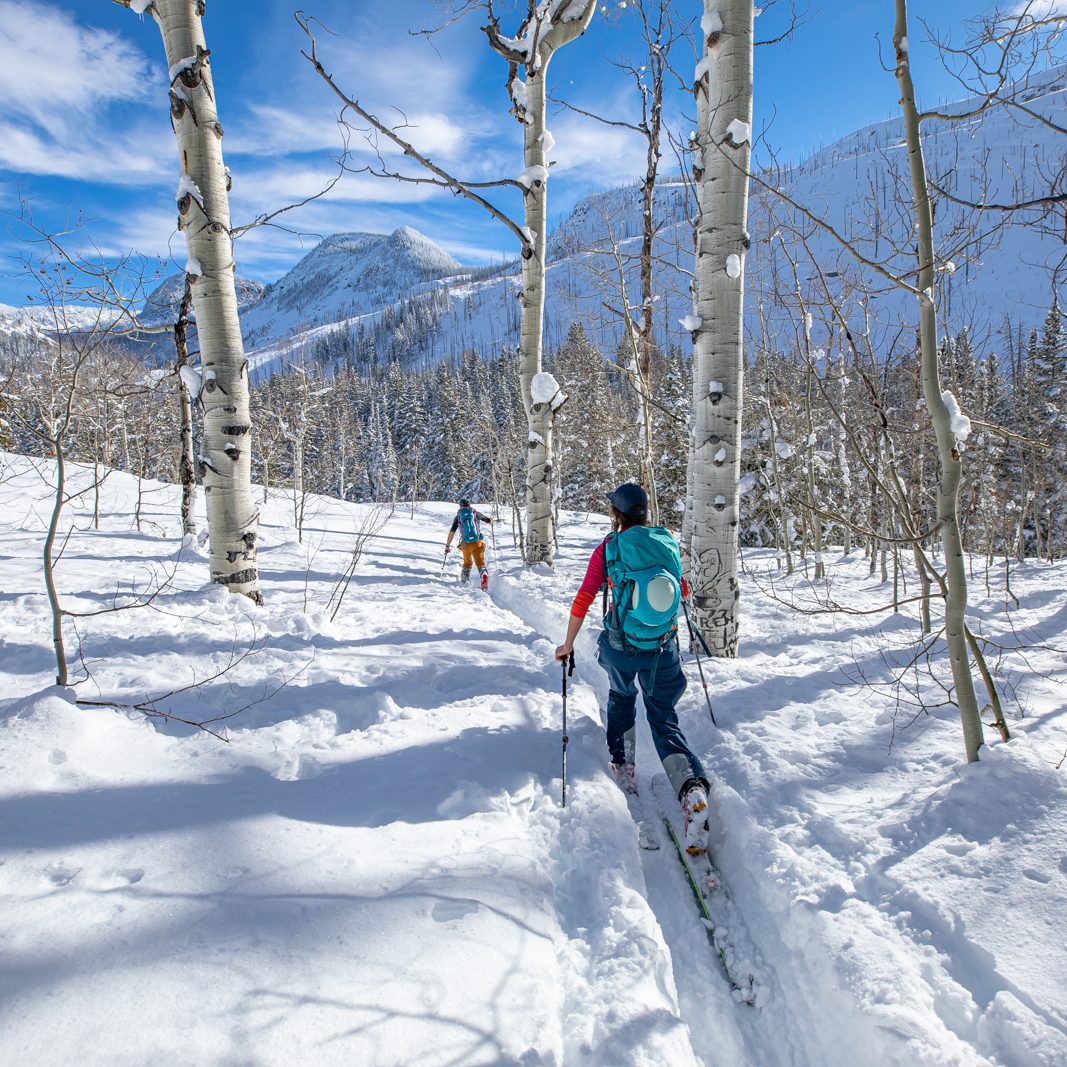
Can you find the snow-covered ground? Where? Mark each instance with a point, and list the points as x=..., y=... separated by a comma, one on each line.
x=374, y=868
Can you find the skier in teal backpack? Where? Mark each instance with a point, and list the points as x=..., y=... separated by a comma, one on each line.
x=640, y=569
x=468, y=523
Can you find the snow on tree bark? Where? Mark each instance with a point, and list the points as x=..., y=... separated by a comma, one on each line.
x=947, y=441
x=204, y=217
x=723, y=92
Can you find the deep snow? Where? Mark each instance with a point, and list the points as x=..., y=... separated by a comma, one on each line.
x=375, y=868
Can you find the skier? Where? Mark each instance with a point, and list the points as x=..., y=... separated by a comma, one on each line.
x=472, y=546
x=640, y=568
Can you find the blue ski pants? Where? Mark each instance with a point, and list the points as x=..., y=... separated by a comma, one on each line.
x=662, y=682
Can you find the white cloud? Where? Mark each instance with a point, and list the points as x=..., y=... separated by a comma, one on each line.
x=1042, y=9
x=59, y=81
x=53, y=70
x=272, y=130
x=138, y=157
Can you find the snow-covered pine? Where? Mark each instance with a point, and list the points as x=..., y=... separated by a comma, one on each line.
x=720, y=170
x=232, y=514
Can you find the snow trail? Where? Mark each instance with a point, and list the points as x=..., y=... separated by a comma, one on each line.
x=376, y=868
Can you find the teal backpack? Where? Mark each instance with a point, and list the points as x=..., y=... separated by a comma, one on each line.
x=468, y=526
x=644, y=567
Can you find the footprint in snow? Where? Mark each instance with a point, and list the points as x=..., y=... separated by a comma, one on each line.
x=449, y=910
x=63, y=876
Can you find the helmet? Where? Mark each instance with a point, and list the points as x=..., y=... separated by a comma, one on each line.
x=630, y=500
x=464, y=503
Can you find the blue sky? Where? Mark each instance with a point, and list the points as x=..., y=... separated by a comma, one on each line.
x=85, y=134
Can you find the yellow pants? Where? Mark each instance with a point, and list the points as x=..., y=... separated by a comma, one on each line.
x=473, y=553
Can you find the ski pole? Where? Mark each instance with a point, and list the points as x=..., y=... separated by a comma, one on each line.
x=444, y=563
x=568, y=668
x=697, y=639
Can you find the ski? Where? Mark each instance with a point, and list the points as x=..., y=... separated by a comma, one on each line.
x=742, y=986
x=723, y=935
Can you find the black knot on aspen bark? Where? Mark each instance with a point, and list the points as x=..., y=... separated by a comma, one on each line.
x=232, y=451
x=249, y=539
x=235, y=431
x=185, y=202
x=249, y=574
x=714, y=398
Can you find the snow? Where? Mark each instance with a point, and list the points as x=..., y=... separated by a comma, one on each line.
x=716, y=387
x=543, y=388
x=738, y=131
x=690, y=322
x=959, y=423
x=548, y=142
x=192, y=267
x=139, y=7
x=376, y=867
x=182, y=65
x=733, y=265
x=533, y=174
x=192, y=379
x=701, y=70
x=187, y=185
x=711, y=22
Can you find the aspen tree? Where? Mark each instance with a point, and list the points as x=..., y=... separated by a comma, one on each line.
x=204, y=218
x=723, y=87
x=945, y=427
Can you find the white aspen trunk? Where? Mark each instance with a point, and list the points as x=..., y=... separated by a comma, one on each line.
x=947, y=446
x=540, y=417
x=724, y=104
x=204, y=217
x=546, y=36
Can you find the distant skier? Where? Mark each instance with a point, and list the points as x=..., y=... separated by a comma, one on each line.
x=640, y=568
x=468, y=522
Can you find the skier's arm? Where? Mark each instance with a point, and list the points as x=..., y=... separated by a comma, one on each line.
x=484, y=518
x=451, y=534
x=594, y=579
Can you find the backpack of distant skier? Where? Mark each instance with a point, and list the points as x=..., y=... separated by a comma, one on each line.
x=644, y=568
x=468, y=526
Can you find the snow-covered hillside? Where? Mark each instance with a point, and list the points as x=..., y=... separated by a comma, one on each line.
x=376, y=869
x=991, y=271
x=346, y=275
x=162, y=304
x=400, y=296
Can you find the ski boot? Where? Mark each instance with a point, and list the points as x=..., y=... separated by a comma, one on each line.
x=626, y=777
x=485, y=581
x=464, y=576
x=695, y=814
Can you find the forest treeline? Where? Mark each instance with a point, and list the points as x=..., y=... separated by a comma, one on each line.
x=826, y=432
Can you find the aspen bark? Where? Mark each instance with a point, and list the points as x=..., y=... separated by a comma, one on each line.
x=204, y=218
x=947, y=445
x=724, y=105
x=186, y=455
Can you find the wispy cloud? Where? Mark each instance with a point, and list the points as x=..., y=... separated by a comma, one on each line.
x=1042, y=9
x=60, y=80
x=53, y=70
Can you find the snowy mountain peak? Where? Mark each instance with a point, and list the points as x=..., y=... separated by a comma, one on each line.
x=345, y=276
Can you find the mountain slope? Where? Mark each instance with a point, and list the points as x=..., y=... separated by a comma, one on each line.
x=994, y=266
x=346, y=275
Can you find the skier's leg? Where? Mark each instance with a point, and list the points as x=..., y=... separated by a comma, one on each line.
x=622, y=701
x=662, y=684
